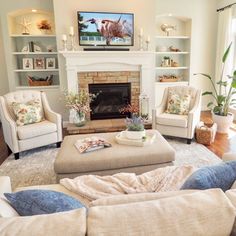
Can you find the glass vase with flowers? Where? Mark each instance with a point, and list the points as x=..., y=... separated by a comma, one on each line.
x=80, y=104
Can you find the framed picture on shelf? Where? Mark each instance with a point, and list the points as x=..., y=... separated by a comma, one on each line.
x=27, y=64
x=39, y=63
x=50, y=63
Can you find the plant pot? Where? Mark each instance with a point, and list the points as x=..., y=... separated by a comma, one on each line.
x=223, y=122
x=135, y=134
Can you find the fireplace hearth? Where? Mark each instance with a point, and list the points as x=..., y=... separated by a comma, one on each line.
x=110, y=99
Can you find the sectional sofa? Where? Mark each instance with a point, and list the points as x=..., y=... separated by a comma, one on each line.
x=185, y=212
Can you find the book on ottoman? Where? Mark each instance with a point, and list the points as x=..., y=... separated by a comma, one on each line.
x=91, y=144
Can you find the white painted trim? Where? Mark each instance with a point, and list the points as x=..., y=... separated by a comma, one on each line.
x=90, y=61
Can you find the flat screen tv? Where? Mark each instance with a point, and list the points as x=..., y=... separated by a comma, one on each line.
x=105, y=29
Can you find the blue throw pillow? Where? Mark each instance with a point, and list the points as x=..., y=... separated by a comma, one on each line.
x=217, y=176
x=37, y=202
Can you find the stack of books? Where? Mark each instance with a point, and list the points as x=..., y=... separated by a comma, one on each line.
x=91, y=144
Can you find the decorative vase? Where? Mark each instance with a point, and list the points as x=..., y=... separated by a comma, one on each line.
x=223, y=122
x=45, y=31
x=135, y=134
x=79, y=119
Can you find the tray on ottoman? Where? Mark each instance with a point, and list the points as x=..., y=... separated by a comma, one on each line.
x=70, y=163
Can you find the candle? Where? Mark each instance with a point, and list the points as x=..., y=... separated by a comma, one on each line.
x=64, y=38
x=72, y=31
x=141, y=32
x=148, y=39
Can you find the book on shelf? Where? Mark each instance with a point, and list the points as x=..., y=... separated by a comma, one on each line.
x=91, y=144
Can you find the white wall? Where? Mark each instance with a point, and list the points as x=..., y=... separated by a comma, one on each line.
x=222, y=3
x=204, y=31
x=4, y=88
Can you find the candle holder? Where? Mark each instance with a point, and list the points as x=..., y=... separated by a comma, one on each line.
x=140, y=42
x=72, y=40
x=64, y=44
x=147, y=44
x=144, y=106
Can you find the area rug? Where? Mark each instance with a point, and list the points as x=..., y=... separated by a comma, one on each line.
x=35, y=167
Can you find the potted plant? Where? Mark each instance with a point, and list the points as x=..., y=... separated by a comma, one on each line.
x=80, y=104
x=222, y=98
x=135, y=124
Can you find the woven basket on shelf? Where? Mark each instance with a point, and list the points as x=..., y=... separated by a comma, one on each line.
x=205, y=134
x=38, y=82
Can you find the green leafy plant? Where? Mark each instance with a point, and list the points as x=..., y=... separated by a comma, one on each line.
x=223, y=97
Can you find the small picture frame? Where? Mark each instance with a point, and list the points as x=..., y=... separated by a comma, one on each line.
x=39, y=63
x=27, y=63
x=50, y=63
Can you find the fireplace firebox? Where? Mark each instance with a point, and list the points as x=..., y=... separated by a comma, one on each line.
x=111, y=97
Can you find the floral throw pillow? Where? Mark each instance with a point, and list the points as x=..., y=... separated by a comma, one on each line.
x=178, y=104
x=27, y=113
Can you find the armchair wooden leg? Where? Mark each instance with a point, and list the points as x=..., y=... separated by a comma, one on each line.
x=58, y=144
x=9, y=152
x=189, y=140
x=17, y=155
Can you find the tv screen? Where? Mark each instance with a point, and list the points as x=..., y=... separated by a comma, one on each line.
x=105, y=29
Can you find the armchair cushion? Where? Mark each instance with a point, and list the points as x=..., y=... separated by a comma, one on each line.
x=37, y=129
x=27, y=113
x=172, y=120
x=178, y=104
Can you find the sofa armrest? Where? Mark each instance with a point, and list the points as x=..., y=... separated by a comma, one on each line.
x=52, y=116
x=9, y=127
x=228, y=156
x=194, y=116
x=5, y=185
x=161, y=108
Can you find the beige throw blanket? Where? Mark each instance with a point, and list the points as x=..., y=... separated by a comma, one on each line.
x=92, y=187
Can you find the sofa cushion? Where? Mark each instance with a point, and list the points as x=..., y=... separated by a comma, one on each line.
x=178, y=104
x=37, y=202
x=198, y=213
x=57, y=188
x=141, y=197
x=217, y=176
x=35, y=130
x=27, y=113
x=6, y=210
x=172, y=120
x=72, y=223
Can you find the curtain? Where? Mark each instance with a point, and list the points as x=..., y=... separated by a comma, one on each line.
x=224, y=38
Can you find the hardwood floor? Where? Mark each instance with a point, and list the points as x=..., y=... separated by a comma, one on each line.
x=223, y=142
x=3, y=147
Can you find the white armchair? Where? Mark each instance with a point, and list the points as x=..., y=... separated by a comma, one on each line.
x=179, y=125
x=22, y=138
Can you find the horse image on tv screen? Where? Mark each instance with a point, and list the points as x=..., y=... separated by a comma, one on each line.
x=105, y=29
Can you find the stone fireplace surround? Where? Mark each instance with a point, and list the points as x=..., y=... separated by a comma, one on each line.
x=126, y=62
x=133, y=77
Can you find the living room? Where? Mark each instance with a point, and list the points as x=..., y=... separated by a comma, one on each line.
x=104, y=129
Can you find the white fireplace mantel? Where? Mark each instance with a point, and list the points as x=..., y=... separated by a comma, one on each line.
x=91, y=61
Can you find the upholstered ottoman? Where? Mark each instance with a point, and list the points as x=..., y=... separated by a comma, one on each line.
x=118, y=158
